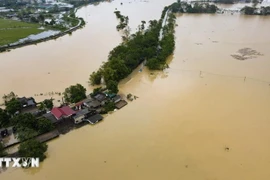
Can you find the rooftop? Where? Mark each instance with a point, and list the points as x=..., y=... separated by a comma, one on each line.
x=100, y=97
x=81, y=113
x=92, y=103
x=116, y=98
x=120, y=104
x=59, y=112
x=50, y=117
x=94, y=119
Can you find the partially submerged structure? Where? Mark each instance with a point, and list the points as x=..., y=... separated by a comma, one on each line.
x=94, y=119
x=82, y=115
x=120, y=104
x=62, y=112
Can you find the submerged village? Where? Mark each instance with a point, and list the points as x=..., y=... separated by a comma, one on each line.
x=29, y=123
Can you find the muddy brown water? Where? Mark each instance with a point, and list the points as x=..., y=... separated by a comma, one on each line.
x=201, y=119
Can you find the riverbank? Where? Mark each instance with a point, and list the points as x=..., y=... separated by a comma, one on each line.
x=26, y=43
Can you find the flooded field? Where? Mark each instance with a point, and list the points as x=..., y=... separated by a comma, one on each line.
x=205, y=118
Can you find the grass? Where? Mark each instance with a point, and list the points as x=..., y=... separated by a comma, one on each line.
x=11, y=31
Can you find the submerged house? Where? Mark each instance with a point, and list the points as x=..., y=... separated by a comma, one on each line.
x=62, y=112
x=94, y=119
x=28, y=105
x=81, y=115
x=27, y=102
x=100, y=97
x=116, y=98
x=92, y=103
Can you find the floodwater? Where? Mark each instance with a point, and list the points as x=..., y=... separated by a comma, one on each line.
x=204, y=118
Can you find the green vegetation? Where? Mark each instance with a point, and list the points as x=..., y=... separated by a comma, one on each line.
x=78, y=3
x=138, y=47
x=33, y=148
x=75, y=93
x=123, y=21
x=28, y=126
x=226, y=1
x=184, y=7
x=256, y=11
x=96, y=91
x=11, y=31
x=2, y=151
x=13, y=106
x=167, y=45
x=4, y=118
x=95, y=78
x=112, y=86
x=109, y=106
x=71, y=19
x=46, y=104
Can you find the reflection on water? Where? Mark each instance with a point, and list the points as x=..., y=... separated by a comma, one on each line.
x=199, y=119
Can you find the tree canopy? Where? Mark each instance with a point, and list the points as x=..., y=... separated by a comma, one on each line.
x=2, y=151
x=75, y=93
x=48, y=103
x=28, y=126
x=33, y=148
x=4, y=118
x=13, y=106
x=112, y=86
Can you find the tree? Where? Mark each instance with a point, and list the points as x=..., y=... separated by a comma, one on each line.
x=25, y=133
x=13, y=106
x=28, y=126
x=52, y=22
x=75, y=93
x=248, y=10
x=109, y=106
x=153, y=63
x=2, y=151
x=9, y=96
x=48, y=103
x=33, y=148
x=4, y=118
x=44, y=125
x=34, y=20
x=41, y=18
x=55, y=8
x=95, y=91
x=112, y=87
x=95, y=78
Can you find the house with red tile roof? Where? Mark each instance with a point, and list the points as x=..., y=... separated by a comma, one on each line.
x=62, y=112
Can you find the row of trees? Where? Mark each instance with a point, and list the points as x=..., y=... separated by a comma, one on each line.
x=123, y=59
x=256, y=11
x=166, y=45
x=184, y=7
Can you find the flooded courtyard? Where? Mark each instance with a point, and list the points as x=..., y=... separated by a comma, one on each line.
x=206, y=117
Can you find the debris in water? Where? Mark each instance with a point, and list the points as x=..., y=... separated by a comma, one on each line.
x=246, y=53
x=227, y=148
x=186, y=166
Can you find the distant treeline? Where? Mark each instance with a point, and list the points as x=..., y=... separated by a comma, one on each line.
x=184, y=7
x=256, y=11
x=138, y=47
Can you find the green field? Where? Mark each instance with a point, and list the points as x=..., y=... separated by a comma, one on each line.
x=11, y=31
